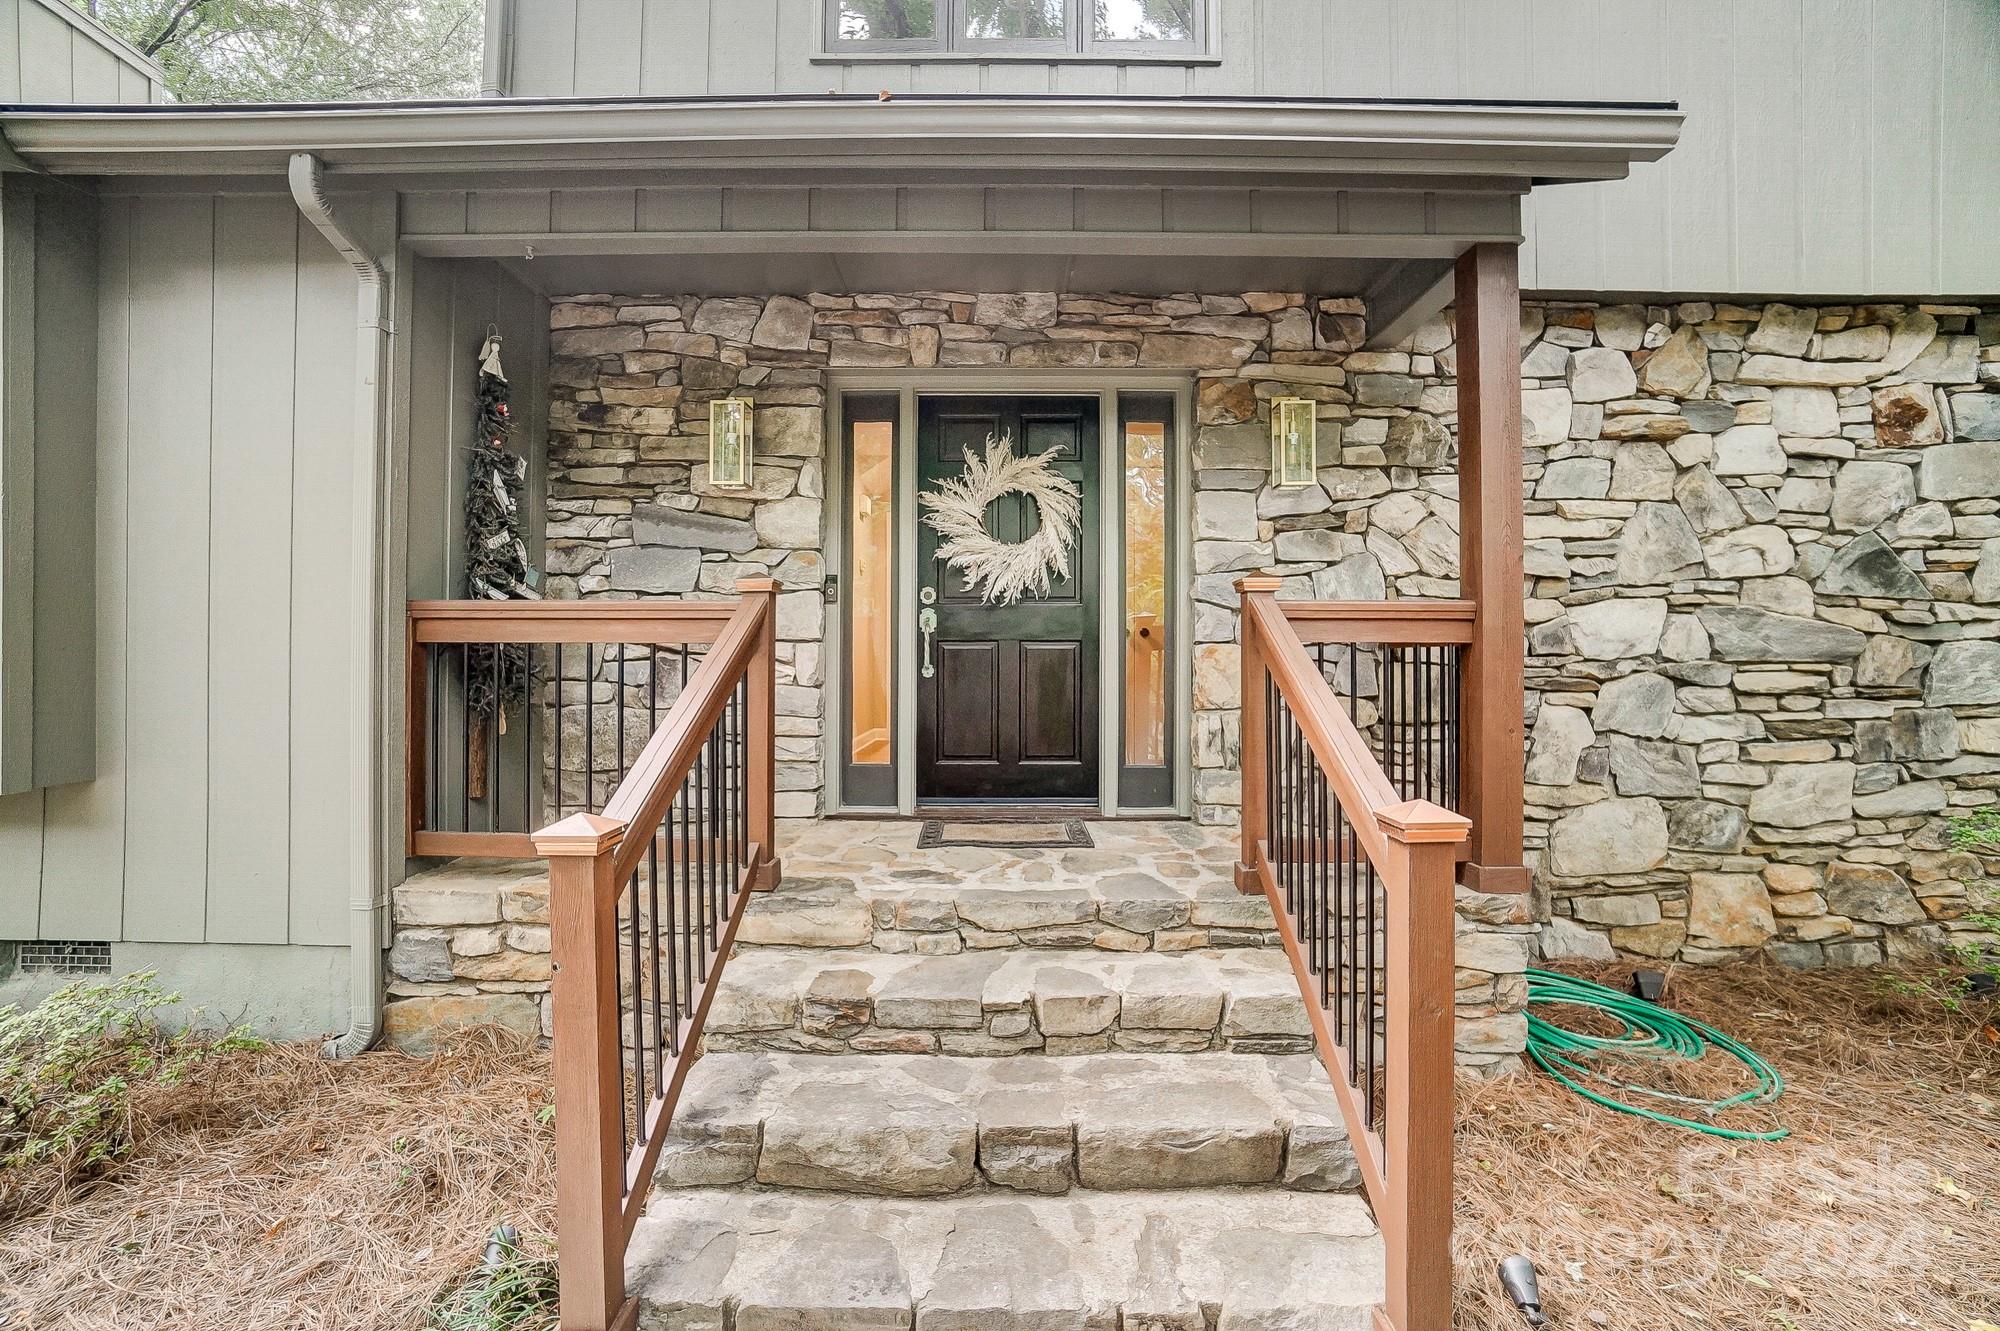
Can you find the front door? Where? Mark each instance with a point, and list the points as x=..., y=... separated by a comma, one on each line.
x=1008, y=710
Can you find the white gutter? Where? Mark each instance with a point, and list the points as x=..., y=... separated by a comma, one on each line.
x=976, y=133
x=364, y=710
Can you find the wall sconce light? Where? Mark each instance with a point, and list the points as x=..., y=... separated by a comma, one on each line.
x=1294, y=449
x=729, y=443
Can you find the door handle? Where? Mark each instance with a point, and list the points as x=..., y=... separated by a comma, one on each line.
x=927, y=624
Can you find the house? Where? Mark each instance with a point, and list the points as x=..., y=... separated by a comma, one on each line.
x=1640, y=362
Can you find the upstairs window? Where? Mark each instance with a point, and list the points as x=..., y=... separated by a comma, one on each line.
x=1107, y=29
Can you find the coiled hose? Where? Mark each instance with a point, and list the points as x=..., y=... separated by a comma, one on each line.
x=1649, y=1031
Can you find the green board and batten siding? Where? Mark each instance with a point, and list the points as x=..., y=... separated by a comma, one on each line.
x=224, y=462
x=48, y=278
x=51, y=53
x=1832, y=147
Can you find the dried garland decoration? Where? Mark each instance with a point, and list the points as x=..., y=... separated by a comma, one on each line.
x=998, y=570
x=496, y=561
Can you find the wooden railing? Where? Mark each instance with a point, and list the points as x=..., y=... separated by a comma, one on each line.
x=1395, y=666
x=1360, y=878
x=519, y=712
x=644, y=901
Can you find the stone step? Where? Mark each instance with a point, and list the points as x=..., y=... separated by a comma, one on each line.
x=811, y=1000
x=1226, y=1259
x=927, y=1125
x=936, y=913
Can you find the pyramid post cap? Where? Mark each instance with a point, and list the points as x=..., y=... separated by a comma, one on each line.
x=579, y=834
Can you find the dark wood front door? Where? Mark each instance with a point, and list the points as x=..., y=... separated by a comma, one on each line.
x=1010, y=712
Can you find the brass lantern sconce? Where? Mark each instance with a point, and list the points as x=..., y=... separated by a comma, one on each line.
x=1294, y=448
x=730, y=445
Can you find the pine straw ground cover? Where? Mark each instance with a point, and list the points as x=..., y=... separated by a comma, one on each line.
x=277, y=1190
x=1881, y=1210
x=274, y=1189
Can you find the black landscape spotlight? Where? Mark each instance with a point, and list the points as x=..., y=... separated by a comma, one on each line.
x=1650, y=986
x=1517, y=1277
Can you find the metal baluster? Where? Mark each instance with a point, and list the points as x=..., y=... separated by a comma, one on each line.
x=589, y=727
x=528, y=758
x=465, y=737
x=743, y=775
x=1270, y=764
x=493, y=749
x=698, y=959
x=434, y=774
x=1372, y=995
x=1320, y=793
x=1295, y=814
x=638, y=1019
x=1452, y=736
x=560, y=686
x=703, y=851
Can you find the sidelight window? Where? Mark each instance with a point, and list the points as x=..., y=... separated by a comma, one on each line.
x=869, y=751
x=1146, y=433
x=1110, y=29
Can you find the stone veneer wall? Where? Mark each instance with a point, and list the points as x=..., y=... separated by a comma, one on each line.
x=1763, y=552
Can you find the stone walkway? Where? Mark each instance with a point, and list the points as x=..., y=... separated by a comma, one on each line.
x=1028, y=1088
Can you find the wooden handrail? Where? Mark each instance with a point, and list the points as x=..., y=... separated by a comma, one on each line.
x=1411, y=846
x=595, y=860
x=665, y=623
x=1402, y=623
x=432, y=625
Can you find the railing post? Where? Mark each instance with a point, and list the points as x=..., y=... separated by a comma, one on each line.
x=589, y=1075
x=1488, y=297
x=1416, y=1136
x=1250, y=746
x=761, y=734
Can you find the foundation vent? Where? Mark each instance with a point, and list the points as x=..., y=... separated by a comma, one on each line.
x=65, y=956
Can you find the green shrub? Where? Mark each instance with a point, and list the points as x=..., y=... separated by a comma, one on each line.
x=1972, y=968
x=69, y=1068
x=513, y=1291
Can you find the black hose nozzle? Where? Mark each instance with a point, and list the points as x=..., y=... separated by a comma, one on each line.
x=1517, y=1277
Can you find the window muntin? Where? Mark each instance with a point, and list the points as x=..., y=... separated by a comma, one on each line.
x=1108, y=29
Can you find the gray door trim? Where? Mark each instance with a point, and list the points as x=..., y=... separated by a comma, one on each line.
x=909, y=384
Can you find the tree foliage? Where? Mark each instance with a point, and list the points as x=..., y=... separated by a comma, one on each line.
x=303, y=50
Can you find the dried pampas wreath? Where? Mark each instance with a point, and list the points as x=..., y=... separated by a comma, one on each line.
x=1001, y=571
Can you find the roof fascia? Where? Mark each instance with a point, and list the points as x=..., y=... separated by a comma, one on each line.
x=1065, y=136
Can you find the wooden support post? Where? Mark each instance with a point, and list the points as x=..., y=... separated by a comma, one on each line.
x=1255, y=809
x=589, y=1075
x=1417, y=1147
x=1492, y=698
x=762, y=736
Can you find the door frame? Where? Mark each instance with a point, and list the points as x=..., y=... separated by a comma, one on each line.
x=1106, y=385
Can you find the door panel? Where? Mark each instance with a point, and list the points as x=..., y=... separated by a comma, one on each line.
x=1049, y=689
x=969, y=674
x=1011, y=713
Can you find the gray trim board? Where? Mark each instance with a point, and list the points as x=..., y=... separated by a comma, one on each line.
x=1077, y=135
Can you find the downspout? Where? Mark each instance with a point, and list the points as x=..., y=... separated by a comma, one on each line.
x=496, y=75
x=364, y=709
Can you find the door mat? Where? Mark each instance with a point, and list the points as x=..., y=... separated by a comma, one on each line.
x=940, y=834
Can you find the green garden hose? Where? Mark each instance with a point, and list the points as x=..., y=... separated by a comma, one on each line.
x=1650, y=1031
